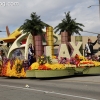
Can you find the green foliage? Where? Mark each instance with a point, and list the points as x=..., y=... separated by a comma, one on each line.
x=33, y=25
x=70, y=25
x=44, y=59
x=49, y=60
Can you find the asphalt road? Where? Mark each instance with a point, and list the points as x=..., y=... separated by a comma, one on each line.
x=69, y=88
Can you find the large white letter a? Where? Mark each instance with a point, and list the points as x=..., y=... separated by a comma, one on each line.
x=63, y=51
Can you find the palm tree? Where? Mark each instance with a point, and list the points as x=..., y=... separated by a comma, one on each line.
x=68, y=27
x=35, y=26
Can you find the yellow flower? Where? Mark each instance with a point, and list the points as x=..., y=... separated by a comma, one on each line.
x=53, y=57
x=35, y=65
x=42, y=56
x=55, y=66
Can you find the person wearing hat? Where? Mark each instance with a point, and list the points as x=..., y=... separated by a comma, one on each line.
x=89, y=47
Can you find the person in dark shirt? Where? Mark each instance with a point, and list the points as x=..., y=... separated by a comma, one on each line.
x=31, y=54
x=89, y=48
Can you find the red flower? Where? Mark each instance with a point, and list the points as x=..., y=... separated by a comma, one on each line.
x=29, y=68
x=77, y=63
x=43, y=67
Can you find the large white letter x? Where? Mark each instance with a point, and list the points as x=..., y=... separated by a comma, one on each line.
x=75, y=48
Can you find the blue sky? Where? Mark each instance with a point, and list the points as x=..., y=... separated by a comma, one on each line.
x=50, y=11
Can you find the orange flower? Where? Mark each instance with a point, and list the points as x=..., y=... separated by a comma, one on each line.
x=29, y=68
x=43, y=67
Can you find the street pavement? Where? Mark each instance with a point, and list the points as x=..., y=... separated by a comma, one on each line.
x=85, y=78
x=67, y=88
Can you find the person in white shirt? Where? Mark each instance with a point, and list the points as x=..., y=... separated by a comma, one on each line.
x=89, y=48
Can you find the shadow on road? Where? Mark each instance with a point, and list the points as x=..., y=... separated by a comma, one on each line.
x=67, y=77
x=53, y=78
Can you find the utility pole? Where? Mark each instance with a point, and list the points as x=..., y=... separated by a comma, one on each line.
x=99, y=9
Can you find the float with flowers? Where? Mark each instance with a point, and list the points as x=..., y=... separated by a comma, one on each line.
x=47, y=65
x=45, y=68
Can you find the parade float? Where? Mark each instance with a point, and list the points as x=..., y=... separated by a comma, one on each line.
x=57, y=56
x=48, y=65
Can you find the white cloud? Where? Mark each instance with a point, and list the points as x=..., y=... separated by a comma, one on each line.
x=51, y=12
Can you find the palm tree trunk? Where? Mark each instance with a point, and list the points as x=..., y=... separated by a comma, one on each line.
x=38, y=46
x=65, y=38
x=49, y=31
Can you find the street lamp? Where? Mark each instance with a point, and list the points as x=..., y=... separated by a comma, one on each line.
x=96, y=5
